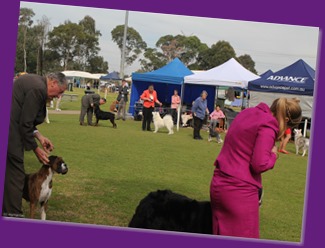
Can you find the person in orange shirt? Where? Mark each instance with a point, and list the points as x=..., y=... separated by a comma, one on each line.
x=149, y=98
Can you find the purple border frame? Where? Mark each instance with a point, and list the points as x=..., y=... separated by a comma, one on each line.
x=20, y=233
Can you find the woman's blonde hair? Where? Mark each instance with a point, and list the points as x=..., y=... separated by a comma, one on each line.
x=283, y=108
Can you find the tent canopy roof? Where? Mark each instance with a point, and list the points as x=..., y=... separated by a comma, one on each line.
x=82, y=74
x=172, y=73
x=266, y=74
x=230, y=73
x=111, y=76
x=297, y=78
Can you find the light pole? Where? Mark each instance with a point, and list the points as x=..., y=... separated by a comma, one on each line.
x=124, y=43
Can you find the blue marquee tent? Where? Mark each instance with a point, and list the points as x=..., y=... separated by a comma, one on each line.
x=297, y=79
x=267, y=73
x=111, y=76
x=164, y=80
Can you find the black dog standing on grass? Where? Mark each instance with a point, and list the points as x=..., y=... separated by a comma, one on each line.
x=166, y=210
x=169, y=211
x=104, y=115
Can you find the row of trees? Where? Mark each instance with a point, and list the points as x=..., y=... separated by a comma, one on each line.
x=75, y=46
x=69, y=46
x=189, y=49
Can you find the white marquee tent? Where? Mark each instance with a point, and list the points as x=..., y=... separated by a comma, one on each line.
x=81, y=74
x=230, y=73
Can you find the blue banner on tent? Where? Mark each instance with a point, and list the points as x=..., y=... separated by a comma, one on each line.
x=297, y=79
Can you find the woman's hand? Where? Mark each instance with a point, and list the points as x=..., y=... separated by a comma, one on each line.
x=275, y=149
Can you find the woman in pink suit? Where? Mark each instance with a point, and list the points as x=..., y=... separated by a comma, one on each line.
x=249, y=150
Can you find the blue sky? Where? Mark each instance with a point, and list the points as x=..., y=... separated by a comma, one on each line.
x=271, y=46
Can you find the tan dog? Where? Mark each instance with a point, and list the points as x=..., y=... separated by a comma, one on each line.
x=38, y=186
x=112, y=107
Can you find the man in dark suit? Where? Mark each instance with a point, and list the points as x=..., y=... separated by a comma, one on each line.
x=122, y=99
x=28, y=109
x=87, y=103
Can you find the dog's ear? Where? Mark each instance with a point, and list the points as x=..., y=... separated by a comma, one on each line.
x=52, y=159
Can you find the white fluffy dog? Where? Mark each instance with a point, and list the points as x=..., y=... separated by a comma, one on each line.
x=159, y=122
x=186, y=118
x=300, y=142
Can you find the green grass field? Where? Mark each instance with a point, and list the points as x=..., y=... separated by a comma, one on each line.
x=111, y=170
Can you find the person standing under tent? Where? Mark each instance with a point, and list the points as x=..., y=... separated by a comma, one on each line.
x=175, y=102
x=149, y=98
x=199, y=109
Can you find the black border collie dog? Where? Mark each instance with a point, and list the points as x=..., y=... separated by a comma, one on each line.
x=104, y=115
x=166, y=210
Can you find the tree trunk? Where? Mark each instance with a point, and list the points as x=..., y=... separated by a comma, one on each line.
x=65, y=64
x=24, y=48
x=39, y=62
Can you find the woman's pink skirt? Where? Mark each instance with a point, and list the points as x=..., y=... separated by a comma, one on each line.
x=235, y=207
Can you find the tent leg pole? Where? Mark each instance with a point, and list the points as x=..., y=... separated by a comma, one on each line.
x=242, y=99
x=305, y=127
x=216, y=100
x=180, y=107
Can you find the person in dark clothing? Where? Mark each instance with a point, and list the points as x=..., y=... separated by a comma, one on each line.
x=87, y=103
x=199, y=110
x=28, y=109
x=122, y=98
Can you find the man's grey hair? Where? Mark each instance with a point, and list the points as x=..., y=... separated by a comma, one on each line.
x=59, y=76
x=204, y=92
